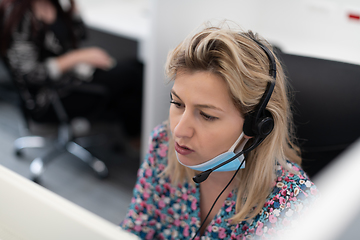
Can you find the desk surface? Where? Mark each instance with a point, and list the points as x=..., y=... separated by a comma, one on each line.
x=32, y=212
x=126, y=18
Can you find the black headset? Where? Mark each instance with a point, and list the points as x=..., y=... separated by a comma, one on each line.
x=258, y=123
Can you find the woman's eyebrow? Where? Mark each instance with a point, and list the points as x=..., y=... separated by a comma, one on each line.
x=208, y=106
x=173, y=92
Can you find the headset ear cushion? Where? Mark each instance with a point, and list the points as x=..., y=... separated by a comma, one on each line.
x=262, y=127
x=265, y=126
x=248, y=125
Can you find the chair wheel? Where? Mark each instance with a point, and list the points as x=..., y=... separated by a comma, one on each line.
x=100, y=169
x=103, y=175
x=18, y=153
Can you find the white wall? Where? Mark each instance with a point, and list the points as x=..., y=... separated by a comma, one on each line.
x=314, y=28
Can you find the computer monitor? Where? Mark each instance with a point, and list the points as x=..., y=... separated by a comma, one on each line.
x=28, y=211
x=326, y=102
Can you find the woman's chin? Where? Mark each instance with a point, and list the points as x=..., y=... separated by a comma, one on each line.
x=187, y=161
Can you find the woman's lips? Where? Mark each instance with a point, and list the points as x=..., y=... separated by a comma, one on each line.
x=183, y=150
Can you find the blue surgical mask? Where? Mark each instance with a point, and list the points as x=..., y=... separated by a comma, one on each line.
x=232, y=166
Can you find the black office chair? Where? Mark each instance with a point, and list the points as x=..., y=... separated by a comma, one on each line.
x=326, y=105
x=65, y=141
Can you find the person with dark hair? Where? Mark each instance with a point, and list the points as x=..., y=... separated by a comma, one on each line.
x=40, y=46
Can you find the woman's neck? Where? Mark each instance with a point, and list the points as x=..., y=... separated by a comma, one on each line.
x=220, y=179
x=210, y=190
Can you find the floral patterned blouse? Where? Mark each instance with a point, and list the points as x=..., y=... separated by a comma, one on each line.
x=159, y=210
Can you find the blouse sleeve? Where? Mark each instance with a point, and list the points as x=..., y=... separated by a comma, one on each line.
x=23, y=60
x=23, y=56
x=141, y=218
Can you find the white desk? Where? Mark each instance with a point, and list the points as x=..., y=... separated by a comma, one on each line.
x=29, y=211
x=125, y=18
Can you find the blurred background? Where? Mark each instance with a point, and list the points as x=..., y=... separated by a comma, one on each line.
x=317, y=40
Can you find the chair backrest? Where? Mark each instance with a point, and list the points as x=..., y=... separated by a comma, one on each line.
x=326, y=107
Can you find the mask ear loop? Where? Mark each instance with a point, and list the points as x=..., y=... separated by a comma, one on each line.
x=233, y=147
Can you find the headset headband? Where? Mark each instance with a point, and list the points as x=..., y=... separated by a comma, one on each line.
x=259, y=121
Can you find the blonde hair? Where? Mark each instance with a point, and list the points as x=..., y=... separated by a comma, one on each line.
x=244, y=66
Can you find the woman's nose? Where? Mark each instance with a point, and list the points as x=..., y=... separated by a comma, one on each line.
x=184, y=127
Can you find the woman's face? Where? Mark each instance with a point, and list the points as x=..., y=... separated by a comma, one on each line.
x=203, y=119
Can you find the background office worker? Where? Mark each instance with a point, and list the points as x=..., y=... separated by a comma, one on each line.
x=220, y=76
x=41, y=42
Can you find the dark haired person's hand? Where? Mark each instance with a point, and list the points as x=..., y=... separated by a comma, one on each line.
x=93, y=56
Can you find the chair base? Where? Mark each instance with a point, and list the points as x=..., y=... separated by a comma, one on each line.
x=38, y=165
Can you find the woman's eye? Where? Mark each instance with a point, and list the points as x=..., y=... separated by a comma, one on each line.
x=207, y=117
x=177, y=104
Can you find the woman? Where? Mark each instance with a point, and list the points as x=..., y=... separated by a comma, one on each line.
x=220, y=76
x=40, y=45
